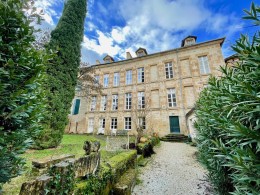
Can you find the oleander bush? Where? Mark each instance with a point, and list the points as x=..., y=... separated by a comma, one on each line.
x=228, y=120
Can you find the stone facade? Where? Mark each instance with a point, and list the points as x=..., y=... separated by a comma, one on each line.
x=186, y=79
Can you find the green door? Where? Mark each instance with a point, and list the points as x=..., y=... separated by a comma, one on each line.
x=174, y=124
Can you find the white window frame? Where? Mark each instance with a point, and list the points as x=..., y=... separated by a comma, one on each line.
x=102, y=125
x=140, y=75
x=141, y=122
x=106, y=80
x=128, y=101
x=128, y=123
x=113, y=124
x=116, y=79
x=141, y=100
x=168, y=70
x=90, y=125
x=115, y=102
x=103, y=103
x=93, y=103
x=128, y=80
x=97, y=79
x=204, y=65
x=171, y=96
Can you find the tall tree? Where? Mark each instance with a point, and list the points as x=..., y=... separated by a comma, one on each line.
x=62, y=72
x=21, y=94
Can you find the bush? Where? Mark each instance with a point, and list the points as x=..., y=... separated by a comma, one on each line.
x=228, y=120
x=21, y=94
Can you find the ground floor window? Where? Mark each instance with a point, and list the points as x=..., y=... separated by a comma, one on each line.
x=113, y=123
x=90, y=125
x=128, y=123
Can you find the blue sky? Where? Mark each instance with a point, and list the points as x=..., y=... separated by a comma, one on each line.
x=114, y=27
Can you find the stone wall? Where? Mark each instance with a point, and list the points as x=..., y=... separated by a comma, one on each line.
x=62, y=174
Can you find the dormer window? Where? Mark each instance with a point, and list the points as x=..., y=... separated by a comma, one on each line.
x=190, y=40
x=108, y=59
x=141, y=52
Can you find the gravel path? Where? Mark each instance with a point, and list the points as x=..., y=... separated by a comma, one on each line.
x=173, y=170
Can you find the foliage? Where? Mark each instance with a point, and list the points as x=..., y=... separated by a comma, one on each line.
x=62, y=73
x=228, y=120
x=21, y=95
x=62, y=182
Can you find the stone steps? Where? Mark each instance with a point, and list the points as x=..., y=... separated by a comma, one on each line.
x=175, y=138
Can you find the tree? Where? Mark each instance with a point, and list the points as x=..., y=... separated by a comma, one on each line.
x=140, y=114
x=228, y=113
x=63, y=71
x=22, y=72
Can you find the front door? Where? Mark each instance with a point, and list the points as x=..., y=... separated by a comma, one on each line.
x=174, y=124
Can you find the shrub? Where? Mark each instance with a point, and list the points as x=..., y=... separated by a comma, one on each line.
x=228, y=120
x=21, y=94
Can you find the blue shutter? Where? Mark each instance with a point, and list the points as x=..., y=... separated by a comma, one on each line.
x=76, y=107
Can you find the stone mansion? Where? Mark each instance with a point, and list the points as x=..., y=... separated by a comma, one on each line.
x=157, y=91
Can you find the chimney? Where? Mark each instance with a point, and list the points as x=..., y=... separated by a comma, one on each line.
x=128, y=55
x=97, y=62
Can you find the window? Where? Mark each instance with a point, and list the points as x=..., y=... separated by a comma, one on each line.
x=116, y=79
x=171, y=98
x=93, y=103
x=76, y=107
x=103, y=103
x=113, y=123
x=102, y=124
x=128, y=77
x=140, y=74
x=140, y=53
x=204, y=65
x=106, y=80
x=114, y=102
x=141, y=122
x=96, y=79
x=90, y=125
x=128, y=101
x=168, y=70
x=141, y=100
x=128, y=123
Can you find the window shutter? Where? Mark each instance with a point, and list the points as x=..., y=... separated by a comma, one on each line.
x=76, y=107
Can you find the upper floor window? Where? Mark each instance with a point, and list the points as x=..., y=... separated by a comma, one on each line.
x=141, y=100
x=96, y=79
x=172, y=98
x=128, y=123
x=140, y=74
x=128, y=101
x=103, y=103
x=168, y=70
x=204, y=65
x=93, y=103
x=106, y=80
x=76, y=107
x=116, y=79
x=128, y=77
x=114, y=102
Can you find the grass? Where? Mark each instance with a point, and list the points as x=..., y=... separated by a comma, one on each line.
x=71, y=144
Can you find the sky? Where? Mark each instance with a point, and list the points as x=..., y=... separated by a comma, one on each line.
x=115, y=27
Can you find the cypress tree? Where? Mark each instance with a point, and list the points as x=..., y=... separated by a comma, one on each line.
x=62, y=71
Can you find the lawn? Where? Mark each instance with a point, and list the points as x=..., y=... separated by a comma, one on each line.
x=71, y=144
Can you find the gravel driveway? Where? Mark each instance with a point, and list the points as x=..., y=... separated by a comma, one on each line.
x=173, y=170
